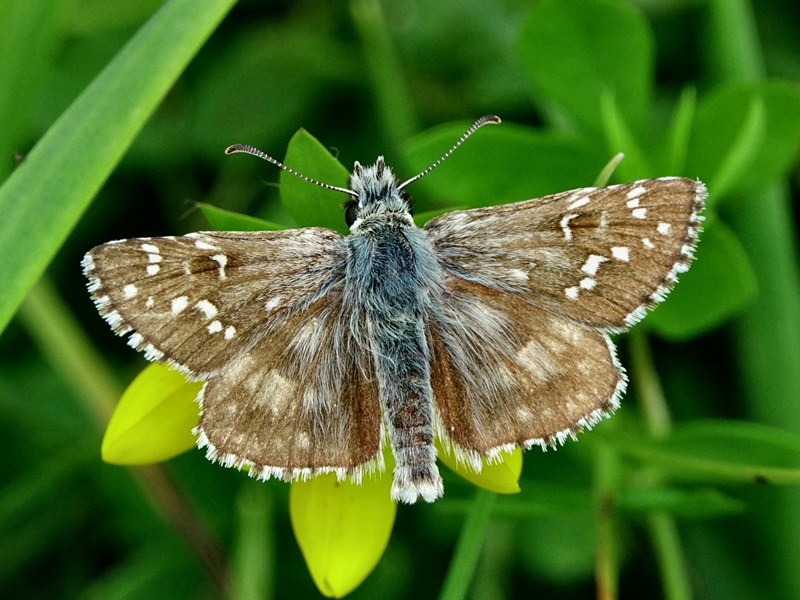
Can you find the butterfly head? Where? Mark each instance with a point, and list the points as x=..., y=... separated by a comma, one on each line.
x=375, y=192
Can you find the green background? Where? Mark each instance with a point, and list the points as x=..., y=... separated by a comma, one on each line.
x=113, y=121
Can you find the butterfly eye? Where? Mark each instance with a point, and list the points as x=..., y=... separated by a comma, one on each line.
x=350, y=209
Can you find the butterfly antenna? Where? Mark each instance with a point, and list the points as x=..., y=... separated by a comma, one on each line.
x=488, y=119
x=236, y=148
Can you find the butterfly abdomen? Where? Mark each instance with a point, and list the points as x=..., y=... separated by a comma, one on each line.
x=392, y=300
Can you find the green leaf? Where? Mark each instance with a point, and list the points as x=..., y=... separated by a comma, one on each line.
x=700, y=503
x=574, y=51
x=718, y=450
x=342, y=528
x=746, y=136
x=154, y=418
x=719, y=285
x=48, y=192
x=227, y=220
x=498, y=164
x=308, y=204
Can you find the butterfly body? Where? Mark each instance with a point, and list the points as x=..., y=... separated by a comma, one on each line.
x=393, y=278
x=486, y=329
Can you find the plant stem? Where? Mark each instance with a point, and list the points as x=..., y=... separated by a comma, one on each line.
x=661, y=526
x=468, y=547
x=607, y=557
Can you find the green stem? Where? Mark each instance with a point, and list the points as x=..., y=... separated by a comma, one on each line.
x=394, y=106
x=661, y=526
x=648, y=385
x=64, y=346
x=468, y=547
x=671, y=561
x=607, y=556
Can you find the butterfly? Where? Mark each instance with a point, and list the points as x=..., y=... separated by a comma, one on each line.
x=487, y=329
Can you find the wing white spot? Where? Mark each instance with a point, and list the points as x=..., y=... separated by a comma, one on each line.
x=515, y=273
x=572, y=292
x=581, y=200
x=639, y=213
x=153, y=269
x=663, y=228
x=179, y=304
x=230, y=332
x=593, y=263
x=155, y=258
x=222, y=260
x=648, y=244
x=150, y=248
x=150, y=302
x=565, y=225
x=204, y=246
x=588, y=283
x=214, y=327
x=621, y=253
x=274, y=302
x=207, y=308
x=636, y=192
x=632, y=203
x=130, y=290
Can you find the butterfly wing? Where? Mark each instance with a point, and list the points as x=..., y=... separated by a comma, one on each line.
x=505, y=372
x=259, y=315
x=519, y=350
x=197, y=301
x=300, y=402
x=600, y=256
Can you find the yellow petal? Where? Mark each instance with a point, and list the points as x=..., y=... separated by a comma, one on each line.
x=342, y=528
x=500, y=476
x=153, y=420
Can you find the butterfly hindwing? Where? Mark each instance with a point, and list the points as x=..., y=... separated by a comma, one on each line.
x=303, y=400
x=600, y=256
x=506, y=373
x=197, y=301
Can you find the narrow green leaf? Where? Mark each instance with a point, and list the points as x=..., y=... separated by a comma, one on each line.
x=742, y=150
x=680, y=132
x=746, y=136
x=46, y=195
x=308, y=204
x=717, y=451
x=505, y=163
x=719, y=285
x=574, y=51
x=227, y=220
x=620, y=138
x=695, y=503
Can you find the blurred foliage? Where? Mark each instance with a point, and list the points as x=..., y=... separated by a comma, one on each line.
x=120, y=113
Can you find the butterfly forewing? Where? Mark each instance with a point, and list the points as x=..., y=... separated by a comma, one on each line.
x=600, y=256
x=200, y=300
